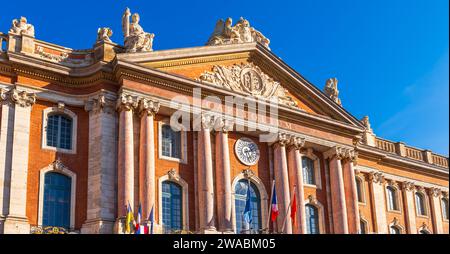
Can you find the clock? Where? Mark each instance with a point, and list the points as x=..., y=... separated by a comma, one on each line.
x=247, y=151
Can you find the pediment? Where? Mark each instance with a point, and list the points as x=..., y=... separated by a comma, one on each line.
x=248, y=69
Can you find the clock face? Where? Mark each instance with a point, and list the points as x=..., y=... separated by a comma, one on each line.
x=247, y=151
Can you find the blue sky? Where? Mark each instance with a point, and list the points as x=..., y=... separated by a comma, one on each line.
x=391, y=57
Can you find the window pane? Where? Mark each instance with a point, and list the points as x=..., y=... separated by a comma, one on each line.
x=420, y=204
x=171, y=142
x=392, y=198
x=363, y=226
x=172, y=206
x=445, y=208
x=56, y=211
x=395, y=230
x=308, y=171
x=59, y=131
x=312, y=219
x=255, y=203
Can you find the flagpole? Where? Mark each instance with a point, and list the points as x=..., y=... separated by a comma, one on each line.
x=287, y=212
x=270, y=205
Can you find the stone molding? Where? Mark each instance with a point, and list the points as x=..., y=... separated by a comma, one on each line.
x=297, y=142
x=376, y=177
x=20, y=98
x=408, y=186
x=148, y=107
x=434, y=192
x=100, y=103
x=126, y=102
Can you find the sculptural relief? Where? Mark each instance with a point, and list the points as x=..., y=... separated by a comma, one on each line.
x=135, y=38
x=21, y=27
x=241, y=32
x=104, y=34
x=247, y=78
x=332, y=91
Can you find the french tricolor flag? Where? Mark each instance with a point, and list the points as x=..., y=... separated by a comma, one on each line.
x=274, y=207
x=140, y=229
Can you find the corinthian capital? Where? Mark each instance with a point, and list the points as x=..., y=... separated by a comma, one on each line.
x=283, y=139
x=297, y=142
x=408, y=186
x=337, y=151
x=126, y=102
x=376, y=177
x=20, y=98
x=208, y=121
x=148, y=107
x=351, y=155
x=434, y=192
x=100, y=104
x=224, y=125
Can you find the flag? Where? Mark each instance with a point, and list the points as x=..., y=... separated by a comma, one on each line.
x=248, y=208
x=274, y=208
x=151, y=219
x=129, y=219
x=293, y=209
x=139, y=228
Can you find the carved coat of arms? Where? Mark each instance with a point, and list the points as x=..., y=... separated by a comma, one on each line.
x=247, y=78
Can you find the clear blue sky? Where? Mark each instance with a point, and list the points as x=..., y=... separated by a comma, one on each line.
x=391, y=57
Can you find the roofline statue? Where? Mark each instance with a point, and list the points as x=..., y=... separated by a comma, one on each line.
x=135, y=38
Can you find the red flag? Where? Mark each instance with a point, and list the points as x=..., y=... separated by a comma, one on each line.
x=293, y=209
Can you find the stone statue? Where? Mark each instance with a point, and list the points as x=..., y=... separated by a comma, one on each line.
x=241, y=32
x=135, y=38
x=366, y=123
x=22, y=27
x=332, y=91
x=104, y=34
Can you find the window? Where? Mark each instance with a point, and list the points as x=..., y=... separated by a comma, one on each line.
x=363, y=226
x=395, y=230
x=420, y=204
x=57, y=195
x=312, y=219
x=59, y=131
x=423, y=232
x=392, y=198
x=359, y=190
x=444, y=202
x=170, y=142
x=308, y=171
x=255, y=203
x=172, y=214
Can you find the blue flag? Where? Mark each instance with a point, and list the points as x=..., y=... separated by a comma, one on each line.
x=248, y=208
x=150, y=218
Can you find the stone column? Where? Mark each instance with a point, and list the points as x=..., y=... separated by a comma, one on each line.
x=436, y=210
x=6, y=137
x=410, y=210
x=296, y=176
x=282, y=184
x=223, y=176
x=338, y=203
x=16, y=221
x=147, y=110
x=352, y=193
x=378, y=201
x=125, y=193
x=102, y=166
x=206, y=173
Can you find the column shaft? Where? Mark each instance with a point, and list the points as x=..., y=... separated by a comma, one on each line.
x=223, y=176
x=282, y=188
x=352, y=201
x=338, y=196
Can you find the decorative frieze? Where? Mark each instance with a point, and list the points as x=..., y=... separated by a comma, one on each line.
x=248, y=173
x=247, y=78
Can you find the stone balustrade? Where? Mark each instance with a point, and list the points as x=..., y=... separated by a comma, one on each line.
x=401, y=149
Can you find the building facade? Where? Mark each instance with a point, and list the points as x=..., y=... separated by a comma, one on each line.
x=182, y=133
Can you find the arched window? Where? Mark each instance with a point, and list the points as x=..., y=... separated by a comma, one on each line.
x=420, y=204
x=359, y=190
x=57, y=195
x=312, y=219
x=172, y=211
x=363, y=226
x=240, y=201
x=395, y=230
x=59, y=131
x=392, y=198
x=170, y=142
x=308, y=171
x=444, y=202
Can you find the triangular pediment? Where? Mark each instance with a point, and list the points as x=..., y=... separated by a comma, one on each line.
x=247, y=69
